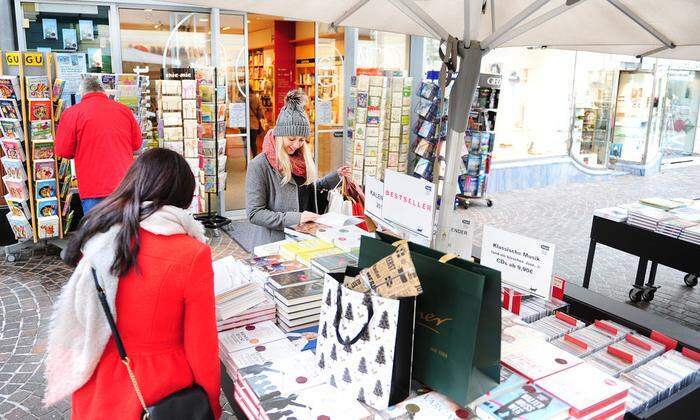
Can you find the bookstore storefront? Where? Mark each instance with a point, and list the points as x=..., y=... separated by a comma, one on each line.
x=150, y=38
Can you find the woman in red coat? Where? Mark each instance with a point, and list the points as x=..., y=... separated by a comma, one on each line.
x=152, y=261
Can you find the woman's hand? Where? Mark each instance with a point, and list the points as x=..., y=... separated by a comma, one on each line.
x=308, y=216
x=345, y=171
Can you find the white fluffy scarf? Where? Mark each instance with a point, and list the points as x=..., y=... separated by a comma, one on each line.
x=78, y=330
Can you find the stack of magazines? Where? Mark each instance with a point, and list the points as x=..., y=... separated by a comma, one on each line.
x=674, y=227
x=646, y=217
x=691, y=234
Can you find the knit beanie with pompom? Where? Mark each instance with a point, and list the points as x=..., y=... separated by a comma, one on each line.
x=292, y=120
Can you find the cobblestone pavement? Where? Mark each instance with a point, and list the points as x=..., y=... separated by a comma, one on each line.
x=27, y=290
x=562, y=215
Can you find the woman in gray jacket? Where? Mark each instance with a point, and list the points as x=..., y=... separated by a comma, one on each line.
x=282, y=182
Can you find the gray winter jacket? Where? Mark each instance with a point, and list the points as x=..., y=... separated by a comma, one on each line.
x=272, y=206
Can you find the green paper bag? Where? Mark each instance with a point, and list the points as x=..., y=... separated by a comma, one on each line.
x=457, y=344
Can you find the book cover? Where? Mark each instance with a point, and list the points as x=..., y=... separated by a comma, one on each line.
x=326, y=402
x=14, y=168
x=18, y=208
x=43, y=150
x=47, y=207
x=41, y=130
x=9, y=87
x=304, y=338
x=262, y=354
x=9, y=109
x=11, y=129
x=44, y=169
x=300, y=294
x=12, y=148
x=526, y=402
x=250, y=336
x=20, y=227
x=281, y=268
x=17, y=189
x=280, y=281
x=45, y=188
x=585, y=388
x=427, y=406
x=539, y=359
x=47, y=227
x=38, y=87
x=334, y=263
x=39, y=109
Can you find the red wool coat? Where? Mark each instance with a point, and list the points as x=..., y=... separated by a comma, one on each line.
x=167, y=319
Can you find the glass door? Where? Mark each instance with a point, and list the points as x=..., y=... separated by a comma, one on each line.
x=330, y=50
x=632, y=114
x=233, y=58
x=681, y=105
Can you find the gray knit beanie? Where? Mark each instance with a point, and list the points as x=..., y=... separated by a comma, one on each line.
x=292, y=120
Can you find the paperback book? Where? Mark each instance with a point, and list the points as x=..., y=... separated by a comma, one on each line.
x=280, y=281
x=290, y=296
x=250, y=336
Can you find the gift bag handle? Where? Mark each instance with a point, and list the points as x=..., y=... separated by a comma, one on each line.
x=338, y=315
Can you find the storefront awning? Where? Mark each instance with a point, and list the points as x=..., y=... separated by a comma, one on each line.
x=667, y=29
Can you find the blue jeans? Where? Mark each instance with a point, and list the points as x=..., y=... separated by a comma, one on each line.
x=89, y=203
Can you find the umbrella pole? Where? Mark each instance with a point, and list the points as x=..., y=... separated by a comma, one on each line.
x=461, y=97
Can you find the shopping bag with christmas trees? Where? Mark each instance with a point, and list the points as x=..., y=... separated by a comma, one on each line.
x=365, y=342
x=457, y=344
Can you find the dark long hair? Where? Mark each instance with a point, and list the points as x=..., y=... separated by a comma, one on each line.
x=159, y=176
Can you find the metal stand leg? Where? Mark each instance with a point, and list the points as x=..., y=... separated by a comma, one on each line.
x=641, y=272
x=589, y=264
x=652, y=274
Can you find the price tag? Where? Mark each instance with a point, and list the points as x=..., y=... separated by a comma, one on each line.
x=12, y=58
x=33, y=59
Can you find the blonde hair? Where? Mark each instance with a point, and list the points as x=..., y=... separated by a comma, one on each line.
x=285, y=164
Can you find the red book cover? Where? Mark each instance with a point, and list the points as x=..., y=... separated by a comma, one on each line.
x=40, y=110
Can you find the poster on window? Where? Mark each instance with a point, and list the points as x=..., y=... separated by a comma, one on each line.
x=50, y=28
x=86, y=30
x=94, y=57
x=236, y=114
x=70, y=39
x=69, y=67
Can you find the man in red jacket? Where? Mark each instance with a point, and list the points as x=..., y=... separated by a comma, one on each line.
x=102, y=136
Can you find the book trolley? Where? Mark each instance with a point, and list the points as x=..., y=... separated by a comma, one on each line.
x=28, y=129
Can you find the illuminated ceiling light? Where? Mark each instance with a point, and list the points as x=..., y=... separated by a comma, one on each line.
x=225, y=28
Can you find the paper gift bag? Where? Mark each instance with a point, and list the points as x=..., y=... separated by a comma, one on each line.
x=365, y=342
x=457, y=341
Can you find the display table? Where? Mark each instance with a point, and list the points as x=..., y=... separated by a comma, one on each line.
x=648, y=246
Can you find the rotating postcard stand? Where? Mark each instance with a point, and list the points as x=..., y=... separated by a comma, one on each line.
x=211, y=183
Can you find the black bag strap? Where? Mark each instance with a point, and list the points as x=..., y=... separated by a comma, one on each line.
x=118, y=340
x=110, y=319
x=338, y=315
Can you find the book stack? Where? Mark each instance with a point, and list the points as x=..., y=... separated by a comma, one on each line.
x=646, y=217
x=674, y=227
x=661, y=377
x=238, y=301
x=299, y=306
x=336, y=263
x=345, y=238
x=259, y=269
x=589, y=392
x=555, y=326
x=616, y=214
x=625, y=355
x=273, y=248
x=591, y=338
x=304, y=251
x=691, y=234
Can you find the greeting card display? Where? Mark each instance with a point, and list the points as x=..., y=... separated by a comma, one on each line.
x=12, y=148
x=18, y=208
x=16, y=188
x=39, y=109
x=47, y=227
x=43, y=150
x=11, y=129
x=9, y=87
x=47, y=207
x=44, y=169
x=14, y=168
x=41, y=130
x=9, y=109
x=20, y=227
x=38, y=87
x=45, y=188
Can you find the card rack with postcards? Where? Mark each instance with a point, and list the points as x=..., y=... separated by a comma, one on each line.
x=28, y=133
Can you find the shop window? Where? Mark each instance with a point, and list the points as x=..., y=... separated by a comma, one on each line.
x=56, y=27
x=151, y=38
x=534, y=113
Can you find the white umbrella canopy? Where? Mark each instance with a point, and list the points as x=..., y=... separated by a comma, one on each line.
x=658, y=28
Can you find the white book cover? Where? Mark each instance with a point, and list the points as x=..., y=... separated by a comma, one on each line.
x=338, y=220
x=325, y=402
x=585, y=388
x=539, y=359
x=250, y=336
x=263, y=354
x=226, y=276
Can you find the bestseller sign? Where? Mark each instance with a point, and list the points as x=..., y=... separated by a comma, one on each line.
x=409, y=202
x=525, y=263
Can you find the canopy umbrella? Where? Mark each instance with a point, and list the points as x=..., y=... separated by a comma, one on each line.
x=643, y=28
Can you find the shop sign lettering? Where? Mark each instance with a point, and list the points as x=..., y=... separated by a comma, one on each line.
x=33, y=59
